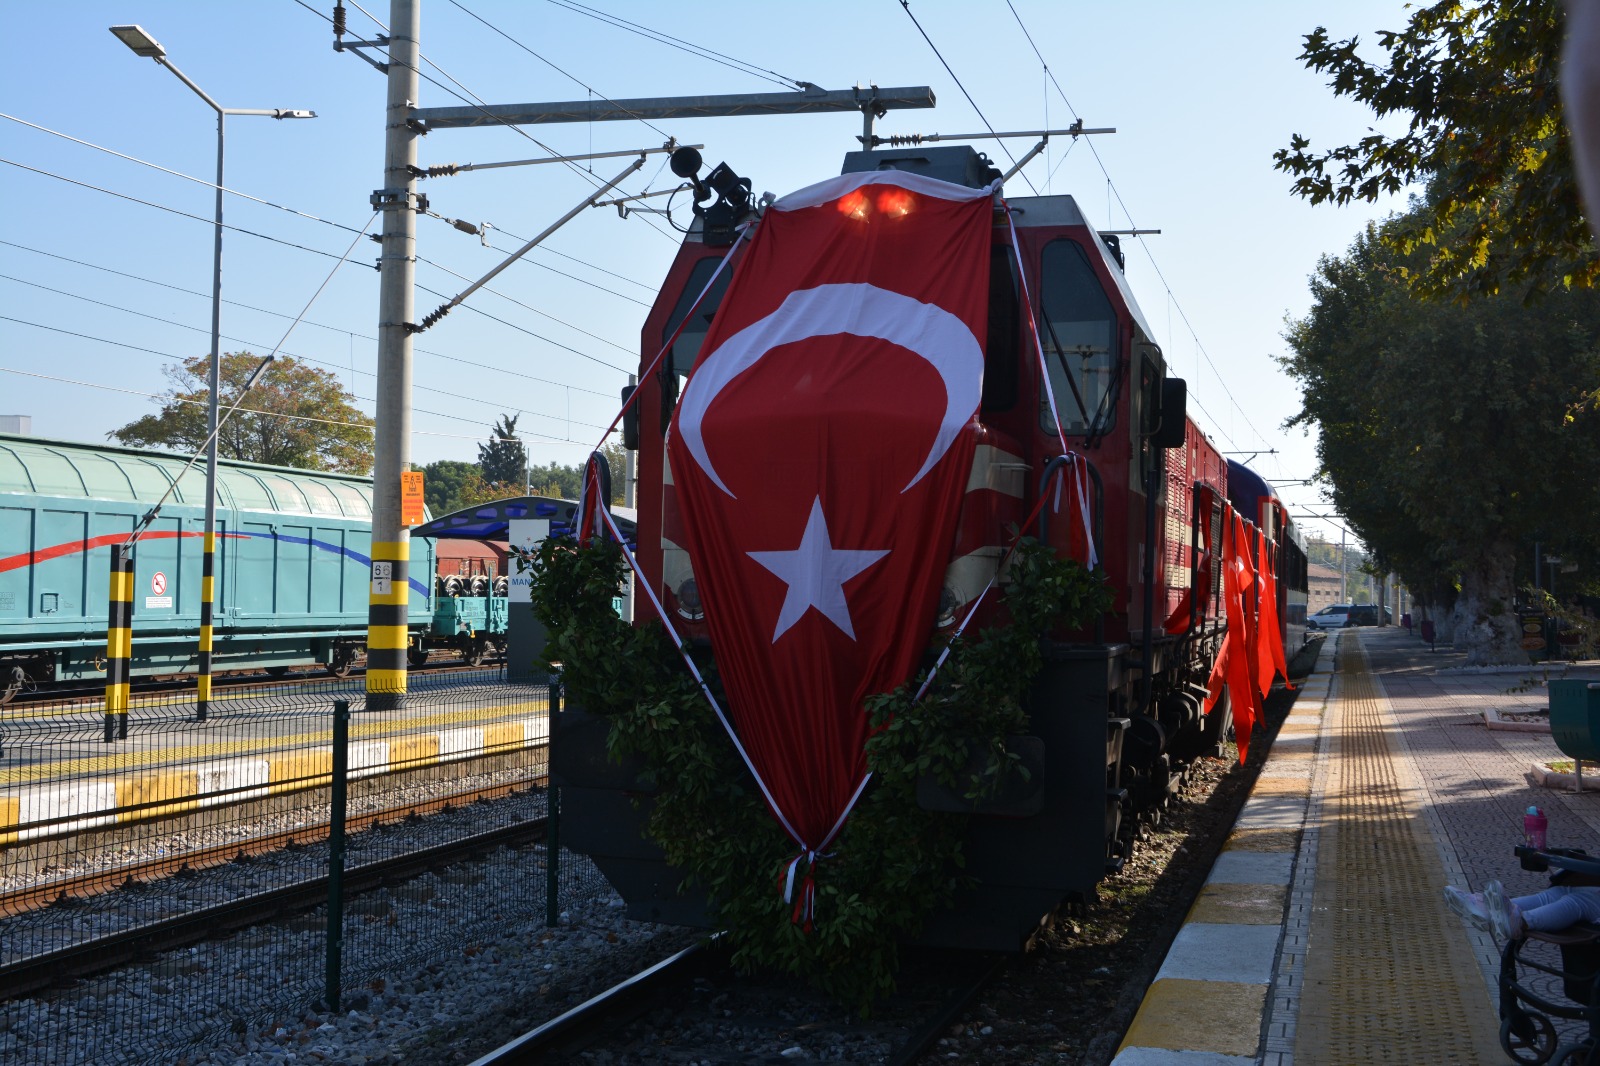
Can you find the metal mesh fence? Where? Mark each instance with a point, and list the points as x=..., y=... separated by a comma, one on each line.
x=188, y=861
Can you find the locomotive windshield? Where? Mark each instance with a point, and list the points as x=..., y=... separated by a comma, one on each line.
x=1077, y=327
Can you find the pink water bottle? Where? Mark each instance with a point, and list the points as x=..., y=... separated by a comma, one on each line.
x=1534, y=825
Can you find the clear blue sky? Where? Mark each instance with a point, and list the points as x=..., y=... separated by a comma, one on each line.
x=1201, y=96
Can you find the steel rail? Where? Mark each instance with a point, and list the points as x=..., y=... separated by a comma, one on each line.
x=917, y=1044
x=87, y=885
x=624, y=998
x=118, y=949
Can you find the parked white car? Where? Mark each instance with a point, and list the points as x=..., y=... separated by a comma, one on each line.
x=1333, y=616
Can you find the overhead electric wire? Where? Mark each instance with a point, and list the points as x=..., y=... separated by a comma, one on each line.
x=87, y=337
x=364, y=399
x=330, y=255
x=178, y=173
x=680, y=44
x=256, y=346
x=522, y=329
x=279, y=314
x=327, y=222
x=1143, y=244
x=532, y=438
x=564, y=73
x=169, y=210
x=535, y=310
x=314, y=218
x=478, y=102
x=984, y=119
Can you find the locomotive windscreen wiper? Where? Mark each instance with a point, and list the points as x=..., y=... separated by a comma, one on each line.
x=1066, y=372
x=1102, y=413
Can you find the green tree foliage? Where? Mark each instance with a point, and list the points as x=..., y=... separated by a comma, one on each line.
x=1454, y=435
x=554, y=480
x=296, y=415
x=1477, y=83
x=503, y=460
x=565, y=482
x=450, y=485
x=442, y=482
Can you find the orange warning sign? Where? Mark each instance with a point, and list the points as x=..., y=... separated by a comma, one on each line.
x=411, y=498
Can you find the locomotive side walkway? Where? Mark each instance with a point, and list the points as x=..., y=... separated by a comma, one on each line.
x=1321, y=937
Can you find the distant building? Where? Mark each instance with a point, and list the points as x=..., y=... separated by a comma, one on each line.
x=1323, y=587
x=21, y=425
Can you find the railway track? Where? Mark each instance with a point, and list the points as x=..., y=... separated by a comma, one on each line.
x=678, y=984
x=84, y=886
x=106, y=952
x=1069, y=999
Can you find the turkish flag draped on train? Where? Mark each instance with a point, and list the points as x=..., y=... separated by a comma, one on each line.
x=819, y=457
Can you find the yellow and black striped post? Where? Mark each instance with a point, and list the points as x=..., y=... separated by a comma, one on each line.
x=387, y=632
x=119, y=641
x=202, y=700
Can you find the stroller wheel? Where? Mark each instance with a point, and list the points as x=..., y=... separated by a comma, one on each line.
x=1529, y=1037
x=1575, y=1055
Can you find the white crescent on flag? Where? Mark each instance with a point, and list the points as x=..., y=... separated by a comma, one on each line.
x=924, y=329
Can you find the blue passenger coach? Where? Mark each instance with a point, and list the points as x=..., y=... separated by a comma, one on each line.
x=293, y=563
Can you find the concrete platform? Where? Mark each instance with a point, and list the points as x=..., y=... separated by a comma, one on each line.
x=249, y=748
x=1321, y=937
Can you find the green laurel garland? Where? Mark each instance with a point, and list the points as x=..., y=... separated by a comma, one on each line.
x=894, y=864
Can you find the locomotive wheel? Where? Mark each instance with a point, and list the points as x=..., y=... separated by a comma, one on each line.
x=477, y=650
x=1218, y=725
x=344, y=660
x=12, y=685
x=417, y=657
x=276, y=671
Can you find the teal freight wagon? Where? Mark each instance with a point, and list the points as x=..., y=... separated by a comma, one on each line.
x=293, y=564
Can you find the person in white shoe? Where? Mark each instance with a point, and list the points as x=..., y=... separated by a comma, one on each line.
x=1468, y=905
x=1511, y=919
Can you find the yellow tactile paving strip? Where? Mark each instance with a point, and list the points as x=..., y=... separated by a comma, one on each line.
x=1389, y=976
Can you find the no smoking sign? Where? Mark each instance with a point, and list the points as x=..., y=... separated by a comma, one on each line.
x=158, y=583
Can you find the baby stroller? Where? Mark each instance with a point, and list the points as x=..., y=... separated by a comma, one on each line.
x=1526, y=1032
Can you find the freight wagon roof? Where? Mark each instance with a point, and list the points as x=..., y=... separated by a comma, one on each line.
x=453, y=548
x=492, y=521
x=35, y=466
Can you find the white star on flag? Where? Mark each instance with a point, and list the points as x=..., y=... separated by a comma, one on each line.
x=815, y=573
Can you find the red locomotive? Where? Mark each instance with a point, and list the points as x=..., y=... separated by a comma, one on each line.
x=1072, y=427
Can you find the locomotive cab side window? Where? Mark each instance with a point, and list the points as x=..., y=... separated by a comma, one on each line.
x=1078, y=329
x=999, y=351
x=680, y=360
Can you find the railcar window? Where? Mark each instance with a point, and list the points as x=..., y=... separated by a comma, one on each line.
x=1000, y=353
x=1078, y=329
x=686, y=348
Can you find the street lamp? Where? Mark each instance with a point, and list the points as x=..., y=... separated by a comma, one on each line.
x=142, y=44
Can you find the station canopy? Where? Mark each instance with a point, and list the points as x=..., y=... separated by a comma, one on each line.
x=492, y=521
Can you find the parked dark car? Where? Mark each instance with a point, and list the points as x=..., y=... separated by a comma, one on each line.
x=1366, y=614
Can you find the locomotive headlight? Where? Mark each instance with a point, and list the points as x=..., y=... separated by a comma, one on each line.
x=896, y=203
x=950, y=604
x=855, y=205
x=689, y=601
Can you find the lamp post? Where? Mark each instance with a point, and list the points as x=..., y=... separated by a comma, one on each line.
x=142, y=44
